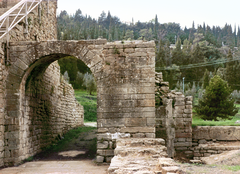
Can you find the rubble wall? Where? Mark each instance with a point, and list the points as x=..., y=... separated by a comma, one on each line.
x=173, y=118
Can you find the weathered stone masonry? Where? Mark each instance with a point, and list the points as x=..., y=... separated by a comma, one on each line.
x=174, y=119
x=33, y=98
x=33, y=114
x=126, y=100
x=125, y=82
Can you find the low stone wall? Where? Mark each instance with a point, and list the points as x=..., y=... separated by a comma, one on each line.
x=211, y=148
x=210, y=140
x=219, y=133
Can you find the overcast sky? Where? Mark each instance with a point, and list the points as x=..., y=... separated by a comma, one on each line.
x=184, y=12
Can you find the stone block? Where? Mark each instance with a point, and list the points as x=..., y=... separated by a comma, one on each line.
x=150, y=135
x=188, y=102
x=139, y=135
x=207, y=154
x=99, y=159
x=135, y=122
x=108, y=159
x=108, y=152
x=171, y=169
x=138, y=130
x=181, y=139
x=151, y=121
x=188, y=111
x=102, y=145
x=188, y=106
x=183, y=144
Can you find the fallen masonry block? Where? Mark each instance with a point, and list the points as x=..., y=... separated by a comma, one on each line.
x=172, y=169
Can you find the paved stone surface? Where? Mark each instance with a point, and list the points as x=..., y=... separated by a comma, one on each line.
x=57, y=167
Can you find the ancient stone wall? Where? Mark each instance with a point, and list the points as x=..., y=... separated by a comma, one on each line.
x=209, y=140
x=173, y=118
x=42, y=24
x=23, y=136
x=182, y=111
x=50, y=109
x=217, y=133
x=165, y=124
x=124, y=72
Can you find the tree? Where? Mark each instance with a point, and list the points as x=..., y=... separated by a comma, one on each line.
x=206, y=79
x=66, y=77
x=89, y=83
x=217, y=103
x=177, y=54
x=129, y=35
x=160, y=56
x=156, y=24
x=79, y=81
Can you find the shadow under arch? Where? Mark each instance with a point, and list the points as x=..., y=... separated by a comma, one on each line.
x=45, y=115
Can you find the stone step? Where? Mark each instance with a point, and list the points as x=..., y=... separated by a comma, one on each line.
x=170, y=169
x=138, y=156
x=156, y=151
x=168, y=166
x=123, y=165
x=132, y=142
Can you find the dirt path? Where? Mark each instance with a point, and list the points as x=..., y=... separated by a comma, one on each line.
x=57, y=167
x=76, y=158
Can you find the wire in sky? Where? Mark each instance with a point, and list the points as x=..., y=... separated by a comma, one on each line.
x=197, y=65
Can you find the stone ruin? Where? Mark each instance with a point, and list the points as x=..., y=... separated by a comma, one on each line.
x=37, y=106
x=173, y=118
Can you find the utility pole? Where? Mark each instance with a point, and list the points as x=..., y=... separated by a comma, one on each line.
x=183, y=84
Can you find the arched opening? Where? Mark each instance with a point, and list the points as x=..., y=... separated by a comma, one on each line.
x=48, y=106
x=124, y=73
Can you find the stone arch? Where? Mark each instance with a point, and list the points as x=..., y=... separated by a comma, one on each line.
x=125, y=76
x=29, y=57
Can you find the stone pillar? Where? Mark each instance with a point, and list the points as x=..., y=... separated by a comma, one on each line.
x=126, y=100
x=165, y=125
x=183, y=118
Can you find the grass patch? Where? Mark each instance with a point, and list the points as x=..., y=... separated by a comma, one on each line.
x=197, y=121
x=68, y=137
x=89, y=102
x=232, y=168
x=29, y=159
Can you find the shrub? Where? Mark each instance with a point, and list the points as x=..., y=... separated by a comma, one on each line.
x=216, y=102
x=66, y=77
x=89, y=82
x=236, y=96
x=78, y=83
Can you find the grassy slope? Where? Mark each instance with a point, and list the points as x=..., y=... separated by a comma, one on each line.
x=89, y=103
x=199, y=122
x=71, y=135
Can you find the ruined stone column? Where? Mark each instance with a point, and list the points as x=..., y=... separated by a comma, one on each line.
x=126, y=100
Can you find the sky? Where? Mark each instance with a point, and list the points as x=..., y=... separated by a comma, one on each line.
x=184, y=12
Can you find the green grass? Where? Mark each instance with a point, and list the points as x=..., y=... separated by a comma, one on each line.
x=89, y=102
x=197, y=121
x=232, y=168
x=68, y=137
